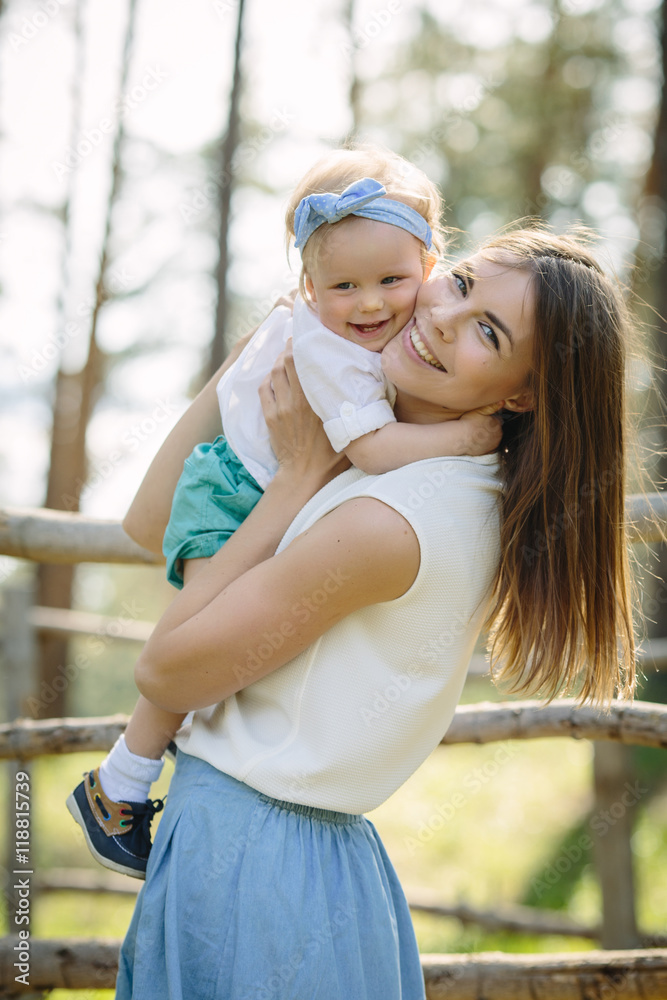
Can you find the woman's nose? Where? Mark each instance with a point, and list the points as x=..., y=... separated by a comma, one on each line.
x=445, y=324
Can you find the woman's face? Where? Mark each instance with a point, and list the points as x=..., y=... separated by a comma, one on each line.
x=470, y=344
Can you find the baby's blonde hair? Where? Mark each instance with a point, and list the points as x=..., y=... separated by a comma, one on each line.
x=403, y=181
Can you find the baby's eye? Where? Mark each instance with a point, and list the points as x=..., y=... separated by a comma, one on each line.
x=390, y=280
x=344, y=285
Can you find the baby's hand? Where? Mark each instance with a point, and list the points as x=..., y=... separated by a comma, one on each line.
x=481, y=434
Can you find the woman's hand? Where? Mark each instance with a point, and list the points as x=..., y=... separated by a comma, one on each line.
x=287, y=300
x=297, y=437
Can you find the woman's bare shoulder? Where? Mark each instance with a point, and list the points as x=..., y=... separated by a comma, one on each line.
x=372, y=539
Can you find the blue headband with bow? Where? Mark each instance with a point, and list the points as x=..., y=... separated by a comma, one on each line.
x=364, y=198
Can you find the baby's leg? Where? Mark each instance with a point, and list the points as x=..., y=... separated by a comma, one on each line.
x=135, y=760
x=151, y=729
x=112, y=803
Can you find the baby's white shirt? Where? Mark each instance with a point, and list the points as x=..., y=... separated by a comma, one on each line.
x=343, y=382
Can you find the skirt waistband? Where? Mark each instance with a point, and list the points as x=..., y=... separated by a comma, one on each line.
x=324, y=815
x=193, y=770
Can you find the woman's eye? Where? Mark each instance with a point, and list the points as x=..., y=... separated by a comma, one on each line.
x=463, y=288
x=490, y=334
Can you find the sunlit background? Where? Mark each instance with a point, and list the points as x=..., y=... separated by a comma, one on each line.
x=514, y=107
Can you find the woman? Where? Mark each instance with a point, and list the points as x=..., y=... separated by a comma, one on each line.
x=265, y=880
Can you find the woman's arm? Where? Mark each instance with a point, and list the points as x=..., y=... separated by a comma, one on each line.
x=250, y=611
x=222, y=634
x=147, y=517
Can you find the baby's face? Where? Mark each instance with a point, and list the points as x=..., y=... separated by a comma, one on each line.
x=366, y=281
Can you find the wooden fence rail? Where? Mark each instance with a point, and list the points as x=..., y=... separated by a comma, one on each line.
x=60, y=537
x=640, y=724
x=79, y=964
x=56, y=536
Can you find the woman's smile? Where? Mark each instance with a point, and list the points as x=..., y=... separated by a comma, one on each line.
x=421, y=349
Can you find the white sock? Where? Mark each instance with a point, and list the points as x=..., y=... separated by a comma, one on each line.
x=125, y=776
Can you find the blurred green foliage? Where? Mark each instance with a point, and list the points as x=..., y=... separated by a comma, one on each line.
x=540, y=123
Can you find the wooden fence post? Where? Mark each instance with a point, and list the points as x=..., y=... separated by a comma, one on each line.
x=615, y=803
x=18, y=668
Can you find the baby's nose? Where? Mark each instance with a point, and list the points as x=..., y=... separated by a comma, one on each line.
x=370, y=301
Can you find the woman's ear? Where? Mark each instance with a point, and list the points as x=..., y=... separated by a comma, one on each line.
x=431, y=261
x=522, y=402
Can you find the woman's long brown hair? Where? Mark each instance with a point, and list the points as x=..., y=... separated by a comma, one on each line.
x=561, y=620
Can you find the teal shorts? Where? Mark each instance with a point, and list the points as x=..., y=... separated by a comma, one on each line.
x=213, y=497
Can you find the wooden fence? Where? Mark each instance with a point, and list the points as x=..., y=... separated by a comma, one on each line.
x=633, y=972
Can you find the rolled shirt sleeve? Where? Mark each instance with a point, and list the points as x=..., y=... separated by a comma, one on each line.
x=343, y=382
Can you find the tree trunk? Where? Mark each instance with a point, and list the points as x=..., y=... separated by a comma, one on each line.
x=219, y=346
x=354, y=90
x=67, y=460
x=657, y=187
x=75, y=398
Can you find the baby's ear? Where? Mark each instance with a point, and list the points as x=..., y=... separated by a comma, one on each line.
x=492, y=408
x=431, y=261
x=310, y=288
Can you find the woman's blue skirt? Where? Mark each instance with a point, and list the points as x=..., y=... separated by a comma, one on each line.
x=249, y=898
